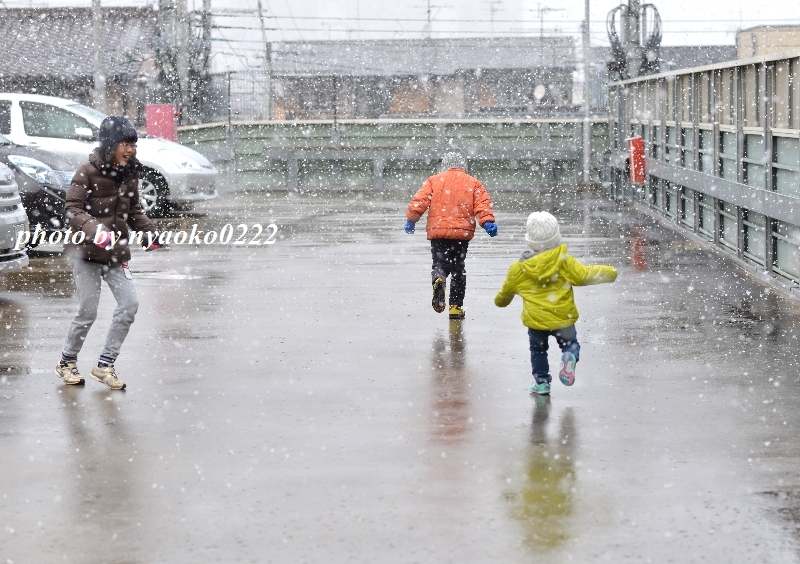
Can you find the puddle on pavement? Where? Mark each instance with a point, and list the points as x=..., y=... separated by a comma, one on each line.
x=450, y=385
x=543, y=502
x=47, y=274
x=14, y=334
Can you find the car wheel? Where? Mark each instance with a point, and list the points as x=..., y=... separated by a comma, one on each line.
x=154, y=194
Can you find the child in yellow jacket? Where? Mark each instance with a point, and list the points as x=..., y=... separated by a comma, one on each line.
x=544, y=279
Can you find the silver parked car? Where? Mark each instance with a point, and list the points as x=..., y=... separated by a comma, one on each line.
x=173, y=174
x=13, y=221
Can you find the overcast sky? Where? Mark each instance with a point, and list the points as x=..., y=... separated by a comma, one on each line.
x=685, y=22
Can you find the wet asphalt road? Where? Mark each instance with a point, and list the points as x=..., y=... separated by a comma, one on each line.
x=301, y=402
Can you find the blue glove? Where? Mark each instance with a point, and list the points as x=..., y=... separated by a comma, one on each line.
x=409, y=227
x=491, y=228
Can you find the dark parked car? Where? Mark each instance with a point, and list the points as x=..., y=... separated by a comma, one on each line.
x=42, y=178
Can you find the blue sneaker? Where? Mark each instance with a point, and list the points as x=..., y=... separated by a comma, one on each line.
x=567, y=372
x=540, y=388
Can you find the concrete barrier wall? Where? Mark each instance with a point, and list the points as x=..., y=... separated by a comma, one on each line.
x=391, y=154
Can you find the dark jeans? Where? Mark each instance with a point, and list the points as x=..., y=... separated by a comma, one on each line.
x=448, y=259
x=567, y=339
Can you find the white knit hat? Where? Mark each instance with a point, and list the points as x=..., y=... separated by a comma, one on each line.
x=542, y=232
x=454, y=160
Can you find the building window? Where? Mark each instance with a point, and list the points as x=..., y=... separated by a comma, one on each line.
x=751, y=96
x=706, y=163
x=727, y=153
x=656, y=149
x=705, y=216
x=706, y=96
x=673, y=149
x=726, y=96
x=308, y=101
x=755, y=239
x=687, y=208
x=782, y=100
x=728, y=227
x=786, y=250
x=687, y=147
x=754, y=161
x=670, y=110
x=786, y=166
x=670, y=200
x=685, y=98
x=654, y=192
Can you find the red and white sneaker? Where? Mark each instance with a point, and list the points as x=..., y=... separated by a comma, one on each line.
x=567, y=372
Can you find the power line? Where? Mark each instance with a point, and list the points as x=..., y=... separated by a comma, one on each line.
x=453, y=34
x=777, y=21
x=291, y=16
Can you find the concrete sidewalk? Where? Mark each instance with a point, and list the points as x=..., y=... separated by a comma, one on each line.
x=302, y=402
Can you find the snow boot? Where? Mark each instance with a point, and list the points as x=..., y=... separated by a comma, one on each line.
x=567, y=372
x=457, y=312
x=438, y=295
x=108, y=377
x=69, y=374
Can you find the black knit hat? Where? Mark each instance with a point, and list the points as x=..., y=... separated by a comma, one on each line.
x=114, y=130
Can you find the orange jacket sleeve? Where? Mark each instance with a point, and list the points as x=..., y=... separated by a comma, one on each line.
x=420, y=202
x=482, y=204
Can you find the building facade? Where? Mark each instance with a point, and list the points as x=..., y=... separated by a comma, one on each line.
x=409, y=78
x=722, y=159
x=767, y=40
x=50, y=51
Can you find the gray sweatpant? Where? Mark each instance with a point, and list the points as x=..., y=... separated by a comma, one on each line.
x=88, y=276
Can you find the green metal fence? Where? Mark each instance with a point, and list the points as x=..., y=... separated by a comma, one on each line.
x=396, y=154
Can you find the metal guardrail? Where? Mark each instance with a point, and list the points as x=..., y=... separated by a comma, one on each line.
x=396, y=153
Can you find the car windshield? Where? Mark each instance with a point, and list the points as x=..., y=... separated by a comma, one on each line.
x=87, y=112
x=4, y=140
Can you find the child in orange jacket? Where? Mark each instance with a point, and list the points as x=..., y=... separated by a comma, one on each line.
x=454, y=199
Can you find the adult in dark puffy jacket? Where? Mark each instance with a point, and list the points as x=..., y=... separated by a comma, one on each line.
x=453, y=200
x=103, y=203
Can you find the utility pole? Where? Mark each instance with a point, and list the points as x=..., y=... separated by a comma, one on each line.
x=587, y=100
x=99, y=75
x=181, y=26
x=542, y=11
x=633, y=34
x=427, y=31
x=493, y=9
x=267, y=66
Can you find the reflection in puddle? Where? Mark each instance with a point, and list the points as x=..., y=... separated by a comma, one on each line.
x=450, y=409
x=166, y=275
x=103, y=465
x=47, y=275
x=544, y=502
x=637, y=253
x=13, y=337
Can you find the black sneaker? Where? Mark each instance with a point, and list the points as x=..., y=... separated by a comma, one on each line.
x=438, y=295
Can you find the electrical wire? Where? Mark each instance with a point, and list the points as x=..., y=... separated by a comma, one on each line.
x=453, y=34
x=294, y=21
x=597, y=21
